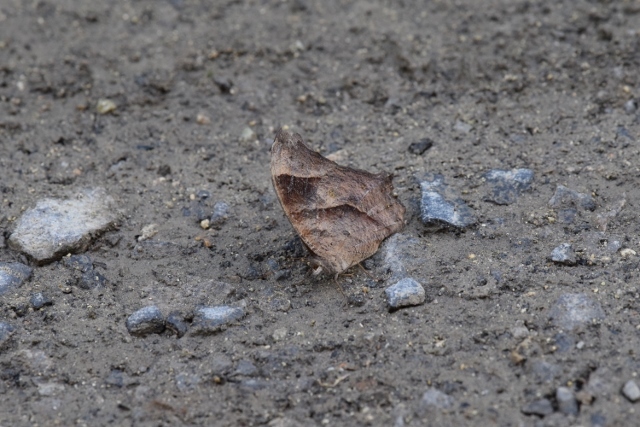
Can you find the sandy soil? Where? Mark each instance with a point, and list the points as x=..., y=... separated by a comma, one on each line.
x=200, y=89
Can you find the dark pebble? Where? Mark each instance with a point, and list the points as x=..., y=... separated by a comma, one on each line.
x=6, y=330
x=439, y=207
x=540, y=407
x=246, y=369
x=39, y=300
x=418, y=148
x=506, y=185
x=91, y=280
x=563, y=254
x=176, y=324
x=12, y=275
x=147, y=320
x=220, y=214
x=81, y=263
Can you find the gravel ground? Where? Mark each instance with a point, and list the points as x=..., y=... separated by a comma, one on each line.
x=136, y=135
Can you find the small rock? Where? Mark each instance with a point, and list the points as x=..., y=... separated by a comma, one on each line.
x=567, y=403
x=115, y=378
x=176, y=324
x=418, y=148
x=105, y=106
x=39, y=300
x=211, y=319
x=573, y=310
x=405, y=293
x=55, y=227
x=80, y=263
x=147, y=320
x=540, y=407
x=506, y=185
x=13, y=275
x=434, y=399
x=147, y=232
x=203, y=119
x=439, y=206
x=246, y=369
x=630, y=106
x=279, y=334
x=6, y=330
x=220, y=214
x=631, y=391
x=566, y=198
x=563, y=254
x=625, y=253
x=247, y=135
x=91, y=280
x=462, y=127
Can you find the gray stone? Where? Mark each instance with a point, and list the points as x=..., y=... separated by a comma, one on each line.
x=147, y=320
x=631, y=391
x=507, y=185
x=39, y=300
x=630, y=106
x=13, y=275
x=419, y=147
x=81, y=263
x=56, y=227
x=563, y=254
x=541, y=407
x=246, y=368
x=567, y=403
x=434, y=399
x=405, y=293
x=211, y=319
x=220, y=214
x=176, y=324
x=573, y=310
x=566, y=198
x=6, y=330
x=440, y=206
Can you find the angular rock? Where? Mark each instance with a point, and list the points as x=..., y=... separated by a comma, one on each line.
x=405, y=293
x=419, y=147
x=209, y=320
x=573, y=310
x=220, y=214
x=56, y=227
x=631, y=391
x=506, y=185
x=563, y=254
x=567, y=403
x=39, y=300
x=147, y=320
x=540, y=407
x=440, y=206
x=566, y=198
x=6, y=330
x=13, y=275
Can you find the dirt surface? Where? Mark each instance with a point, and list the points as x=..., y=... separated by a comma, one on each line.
x=200, y=89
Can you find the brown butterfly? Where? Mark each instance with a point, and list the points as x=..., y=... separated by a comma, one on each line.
x=341, y=214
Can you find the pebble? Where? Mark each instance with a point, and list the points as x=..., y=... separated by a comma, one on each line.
x=406, y=292
x=563, y=254
x=210, y=319
x=541, y=407
x=567, y=403
x=247, y=135
x=6, y=330
x=630, y=106
x=625, y=253
x=246, y=369
x=39, y=300
x=462, y=127
x=506, y=185
x=565, y=198
x=220, y=214
x=439, y=206
x=573, y=310
x=56, y=227
x=105, y=106
x=279, y=334
x=176, y=324
x=13, y=275
x=147, y=320
x=147, y=232
x=434, y=399
x=418, y=148
x=631, y=391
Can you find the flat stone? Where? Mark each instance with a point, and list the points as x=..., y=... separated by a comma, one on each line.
x=39, y=300
x=573, y=310
x=541, y=407
x=440, y=206
x=147, y=320
x=419, y=147
x=567, y=403
x=211, y=319
x=631, y=391
x=566, y=198
x=507, y=185
x=406, y=292
x=56, y=227
x=563, y=254
x=13, y=275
